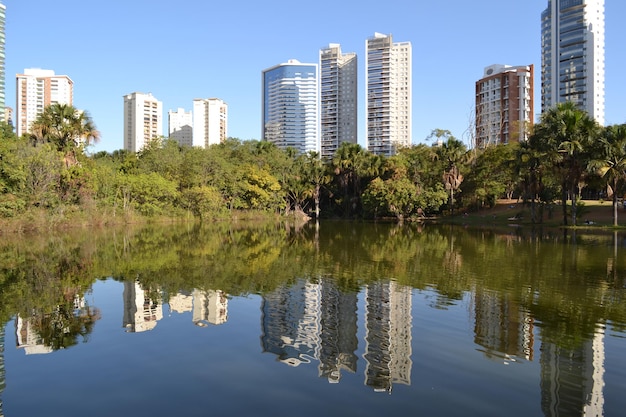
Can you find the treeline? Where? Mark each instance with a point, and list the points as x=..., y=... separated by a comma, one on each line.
x=567, y=154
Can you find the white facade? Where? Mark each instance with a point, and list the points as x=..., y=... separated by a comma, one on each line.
x=338, y=98
x=142, y=120
x=3, y=10
x=210, y=122
x=572, y=55
x=37, y=89
x=290, y=113
x=388, y=84
x=180, y=125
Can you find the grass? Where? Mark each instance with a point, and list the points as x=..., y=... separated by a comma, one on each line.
x=593, y=213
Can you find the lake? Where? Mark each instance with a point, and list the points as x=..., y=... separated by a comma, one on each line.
x=335, y=319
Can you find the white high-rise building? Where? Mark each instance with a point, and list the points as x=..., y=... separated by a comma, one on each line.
x=572, y=55
x=3, y=10
x=37, y=89
x=180, y=126
x=389, y=94
x=338, y=98
x=143, y=122
x=210, y=122
x=290, y=114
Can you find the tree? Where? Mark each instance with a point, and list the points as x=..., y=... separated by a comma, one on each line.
x=350, y=165
x=452, y=153
x=565, y=134
x=491, y=175
x=66, y=128
x=610, y=161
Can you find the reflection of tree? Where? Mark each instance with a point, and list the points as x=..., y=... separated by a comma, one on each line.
x=2, y=372
x=564, y=286
x=61, y=328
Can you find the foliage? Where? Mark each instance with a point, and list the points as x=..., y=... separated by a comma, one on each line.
x=65, y=127
x=560, y=159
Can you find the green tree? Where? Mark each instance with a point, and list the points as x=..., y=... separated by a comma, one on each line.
x=565, y=134
x=452, y=154
x=353, y=168
x=491, y=175
x=65, y=127
x=610, y=161
x=315, y=175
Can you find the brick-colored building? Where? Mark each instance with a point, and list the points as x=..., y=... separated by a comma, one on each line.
x=504, y=104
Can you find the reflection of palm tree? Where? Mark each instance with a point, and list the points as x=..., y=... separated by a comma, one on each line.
x=61, y=328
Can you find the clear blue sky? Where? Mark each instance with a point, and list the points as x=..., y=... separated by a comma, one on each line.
x=186, y=49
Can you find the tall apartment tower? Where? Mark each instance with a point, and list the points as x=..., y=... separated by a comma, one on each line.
x=504, y=104
x=37, y=89
x=210, y=121
x=389, y=90
x=143, y=116
x=338, y=99
x=290, y=105
x=3, y=10
x=572, y=55
x=180, y=126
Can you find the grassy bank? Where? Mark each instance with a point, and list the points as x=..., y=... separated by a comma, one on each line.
x=596, y=214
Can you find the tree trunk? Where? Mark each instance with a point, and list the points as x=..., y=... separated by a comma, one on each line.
x=574, y=197
x=615, y=203
x=317, y=201
x=564, y=202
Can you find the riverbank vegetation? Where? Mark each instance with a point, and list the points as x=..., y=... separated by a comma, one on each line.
x=49, y=178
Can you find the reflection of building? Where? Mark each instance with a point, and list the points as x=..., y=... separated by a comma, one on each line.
x=180, y=303
x=141, y=312
x=290, y=323
x=502, y=327
x=28, y=339
x=2, y=371
x=209, y=307
x=338, y=328
x=562, y=370
x=388, y=337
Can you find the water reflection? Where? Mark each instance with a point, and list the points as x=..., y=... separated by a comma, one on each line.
x=388, y=321
x=2, y=370
x=143, y=307
x=572, y=380
x=311, y=321
x=545, y=298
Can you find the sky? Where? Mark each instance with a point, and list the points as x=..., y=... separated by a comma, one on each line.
x=186, y=49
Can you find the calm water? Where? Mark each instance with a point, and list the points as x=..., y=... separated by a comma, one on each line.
x=341, y=320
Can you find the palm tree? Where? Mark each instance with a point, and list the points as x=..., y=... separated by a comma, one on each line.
x=67, y=128
x=566, y=133
x=452, y=153
x=611, y=161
